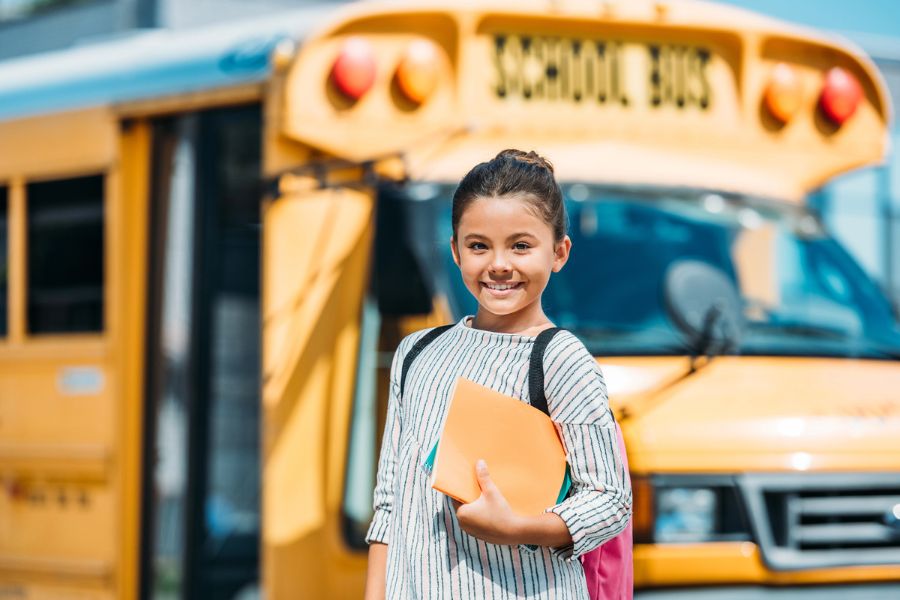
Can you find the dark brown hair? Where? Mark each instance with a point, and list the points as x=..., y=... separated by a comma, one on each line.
x=524, y=175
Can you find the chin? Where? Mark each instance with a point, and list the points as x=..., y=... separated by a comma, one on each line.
x=494, y=306
x=500, y=311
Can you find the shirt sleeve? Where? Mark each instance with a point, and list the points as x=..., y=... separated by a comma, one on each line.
x=600, y=503
x=383, y=496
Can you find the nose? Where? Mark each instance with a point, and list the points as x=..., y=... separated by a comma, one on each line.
x=500, y=263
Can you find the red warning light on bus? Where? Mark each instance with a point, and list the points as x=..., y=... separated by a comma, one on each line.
x=353, y=71
x=841, y=95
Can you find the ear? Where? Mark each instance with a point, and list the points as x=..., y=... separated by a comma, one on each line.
x=454, y=251
x=561, y=253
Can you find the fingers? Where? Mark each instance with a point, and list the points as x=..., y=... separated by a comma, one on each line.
x=484, y=477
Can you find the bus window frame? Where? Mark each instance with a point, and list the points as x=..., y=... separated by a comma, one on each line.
x=107, y=228
x=89, y=345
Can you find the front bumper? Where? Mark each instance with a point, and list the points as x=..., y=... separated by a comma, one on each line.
x=738, y=564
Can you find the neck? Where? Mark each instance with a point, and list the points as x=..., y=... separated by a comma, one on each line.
x=525, y=321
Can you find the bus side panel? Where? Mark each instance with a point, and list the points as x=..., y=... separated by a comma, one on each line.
x=316, y=247
x=56, y=525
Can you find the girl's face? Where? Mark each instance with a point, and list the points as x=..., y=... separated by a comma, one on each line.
x=505, y=253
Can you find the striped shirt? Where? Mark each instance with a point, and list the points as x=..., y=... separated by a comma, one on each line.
x=429, y=556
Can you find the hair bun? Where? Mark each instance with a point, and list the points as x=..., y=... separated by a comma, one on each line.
x=531, y=157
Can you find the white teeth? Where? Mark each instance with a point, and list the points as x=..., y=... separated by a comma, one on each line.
x=501, y=286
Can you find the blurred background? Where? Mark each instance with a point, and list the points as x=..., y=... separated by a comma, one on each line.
x=217, y=223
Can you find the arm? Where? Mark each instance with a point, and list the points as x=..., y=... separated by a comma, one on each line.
x=375, y=574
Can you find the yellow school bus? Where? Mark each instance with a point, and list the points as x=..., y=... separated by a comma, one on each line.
x=213, y=240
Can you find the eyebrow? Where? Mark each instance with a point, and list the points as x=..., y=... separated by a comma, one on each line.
x=511, y=237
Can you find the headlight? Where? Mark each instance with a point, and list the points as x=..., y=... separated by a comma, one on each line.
x=685, y=515
x=688, y=509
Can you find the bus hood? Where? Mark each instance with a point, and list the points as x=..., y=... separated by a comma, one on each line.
x=758, y=414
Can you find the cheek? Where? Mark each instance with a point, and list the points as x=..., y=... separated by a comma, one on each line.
x=539, y=266
x=471, y=269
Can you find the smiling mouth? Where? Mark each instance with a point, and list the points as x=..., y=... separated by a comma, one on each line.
x=501, y=287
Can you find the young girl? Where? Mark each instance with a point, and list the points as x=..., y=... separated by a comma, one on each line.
x=509, y=234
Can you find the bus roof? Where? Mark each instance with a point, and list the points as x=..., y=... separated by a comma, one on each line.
x=150, y=63
x=167, y=62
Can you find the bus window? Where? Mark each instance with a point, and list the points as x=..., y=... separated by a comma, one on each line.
x=65, y=255
x=4, y=257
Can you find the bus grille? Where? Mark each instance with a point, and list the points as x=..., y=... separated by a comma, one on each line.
x=806, y=521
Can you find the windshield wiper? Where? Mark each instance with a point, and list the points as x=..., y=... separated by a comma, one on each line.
x=706, y=340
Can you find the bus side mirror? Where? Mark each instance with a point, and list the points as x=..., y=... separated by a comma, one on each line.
x=704, y=305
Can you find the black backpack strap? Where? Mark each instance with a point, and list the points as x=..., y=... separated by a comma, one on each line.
x=417, y=348
x=536, y=369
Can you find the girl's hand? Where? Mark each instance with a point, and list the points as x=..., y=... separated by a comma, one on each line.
x=489, y=518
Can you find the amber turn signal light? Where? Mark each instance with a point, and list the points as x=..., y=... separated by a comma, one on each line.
x=784, y=93
x=418, y=71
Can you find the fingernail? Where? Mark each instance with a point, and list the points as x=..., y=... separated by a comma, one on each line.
x=481, y=464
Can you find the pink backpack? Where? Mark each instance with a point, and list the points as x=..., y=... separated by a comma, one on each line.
x=609, y=569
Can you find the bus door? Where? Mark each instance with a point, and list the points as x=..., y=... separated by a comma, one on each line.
x=316, y=259
x=202, y=428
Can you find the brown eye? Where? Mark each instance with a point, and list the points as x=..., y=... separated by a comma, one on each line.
x=521, y=246
x=477, y=246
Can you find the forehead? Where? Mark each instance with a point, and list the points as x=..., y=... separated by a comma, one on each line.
x=498, y=215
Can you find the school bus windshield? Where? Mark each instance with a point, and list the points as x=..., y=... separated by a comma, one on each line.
x=802, y=293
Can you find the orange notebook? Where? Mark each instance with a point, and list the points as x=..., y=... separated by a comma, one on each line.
x=519, y=442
